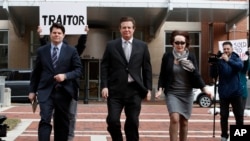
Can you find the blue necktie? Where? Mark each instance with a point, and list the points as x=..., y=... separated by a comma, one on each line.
x=54, y=56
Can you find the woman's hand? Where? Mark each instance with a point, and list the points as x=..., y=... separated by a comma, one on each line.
x=209, y=93
x=158, y=93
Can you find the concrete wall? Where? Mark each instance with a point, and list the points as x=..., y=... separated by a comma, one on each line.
x=19, y=49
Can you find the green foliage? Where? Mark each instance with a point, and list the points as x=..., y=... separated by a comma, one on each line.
x=12, y=123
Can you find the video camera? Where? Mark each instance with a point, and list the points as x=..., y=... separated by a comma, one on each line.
x=213, y=58
x=3, y=127
x=247, y=53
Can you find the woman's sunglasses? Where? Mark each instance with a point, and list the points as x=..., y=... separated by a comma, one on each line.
x=178, y=43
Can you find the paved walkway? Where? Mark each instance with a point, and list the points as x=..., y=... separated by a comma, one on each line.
x=91, y=126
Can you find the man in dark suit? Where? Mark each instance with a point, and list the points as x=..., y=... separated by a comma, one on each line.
x=55, y=84
x=126, y=79
x=80, y=46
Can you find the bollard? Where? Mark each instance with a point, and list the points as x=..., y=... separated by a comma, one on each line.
x=2, y=87
x=7, y=97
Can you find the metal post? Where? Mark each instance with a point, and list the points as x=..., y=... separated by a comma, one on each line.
x=214, y=100
x=234, y=29
x=86, y=84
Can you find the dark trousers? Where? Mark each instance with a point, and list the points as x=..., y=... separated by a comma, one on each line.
x=244, y=102
x=57, y=104
x=237, y=108
x=72, y=115
x=131, y=103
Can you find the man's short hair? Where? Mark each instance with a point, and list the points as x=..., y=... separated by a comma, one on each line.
x=227, y=43
x=57, y=25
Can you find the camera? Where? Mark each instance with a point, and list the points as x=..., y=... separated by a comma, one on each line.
x=247, y=53
x=213, y=58
x=3, y=127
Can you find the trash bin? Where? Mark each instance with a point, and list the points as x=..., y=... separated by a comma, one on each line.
x=2, y=89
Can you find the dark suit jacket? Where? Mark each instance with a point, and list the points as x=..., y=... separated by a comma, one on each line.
x=166, y=72
x=115, y=68
x=42, y=81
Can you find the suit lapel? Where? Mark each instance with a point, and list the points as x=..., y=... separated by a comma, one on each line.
x=136, y=49
x=120, y=49
x=133, y=49
x=48, y=55
x=61, y=54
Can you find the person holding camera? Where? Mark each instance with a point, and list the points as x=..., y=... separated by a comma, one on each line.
x=179, y=74
x=243, y=78
x=230, y=88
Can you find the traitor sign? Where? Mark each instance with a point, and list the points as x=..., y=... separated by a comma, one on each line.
x=239, y=47
x=72, y=15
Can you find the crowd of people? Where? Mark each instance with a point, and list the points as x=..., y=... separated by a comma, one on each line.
x=126, y=80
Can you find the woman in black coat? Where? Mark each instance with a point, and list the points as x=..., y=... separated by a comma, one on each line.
x=179, y=74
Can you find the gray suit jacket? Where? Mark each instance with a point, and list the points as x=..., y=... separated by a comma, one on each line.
x=115, y=68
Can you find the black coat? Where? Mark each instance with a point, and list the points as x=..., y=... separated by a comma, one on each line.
x=115, y=68
x=166, y=72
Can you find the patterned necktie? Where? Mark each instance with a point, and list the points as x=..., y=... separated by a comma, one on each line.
x=54, y=56
x=127, y=50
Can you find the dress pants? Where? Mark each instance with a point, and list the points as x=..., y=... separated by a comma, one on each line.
x=57, y=104
x=72, y=114
x=238, y=111
x=130, y=101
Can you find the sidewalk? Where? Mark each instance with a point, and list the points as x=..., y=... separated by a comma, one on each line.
x=91, y=125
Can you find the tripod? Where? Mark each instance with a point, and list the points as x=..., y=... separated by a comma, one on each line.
x=214, y=101
x=214, y=75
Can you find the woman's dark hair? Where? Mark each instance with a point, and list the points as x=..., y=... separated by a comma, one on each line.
x=57, y=25
x=182, y=33
x=127, y=18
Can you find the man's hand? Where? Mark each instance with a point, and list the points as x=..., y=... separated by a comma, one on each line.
x=86, y=28
x=105, y=93
x=32, y=97
x=148, y=96
x=60, y=77
x=225, y=57
x=39, y=31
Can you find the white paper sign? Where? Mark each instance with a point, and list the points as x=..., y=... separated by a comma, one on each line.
x=239, y=47
x=72, y=15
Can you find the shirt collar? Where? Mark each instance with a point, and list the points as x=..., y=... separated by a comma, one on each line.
x=59, y=45
x=130, y=40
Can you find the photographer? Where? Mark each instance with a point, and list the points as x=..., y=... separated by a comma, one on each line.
x=227, y=68
x=243, y=78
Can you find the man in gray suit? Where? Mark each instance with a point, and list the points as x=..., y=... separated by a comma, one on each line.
x=54, y=81
x=126, y=79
